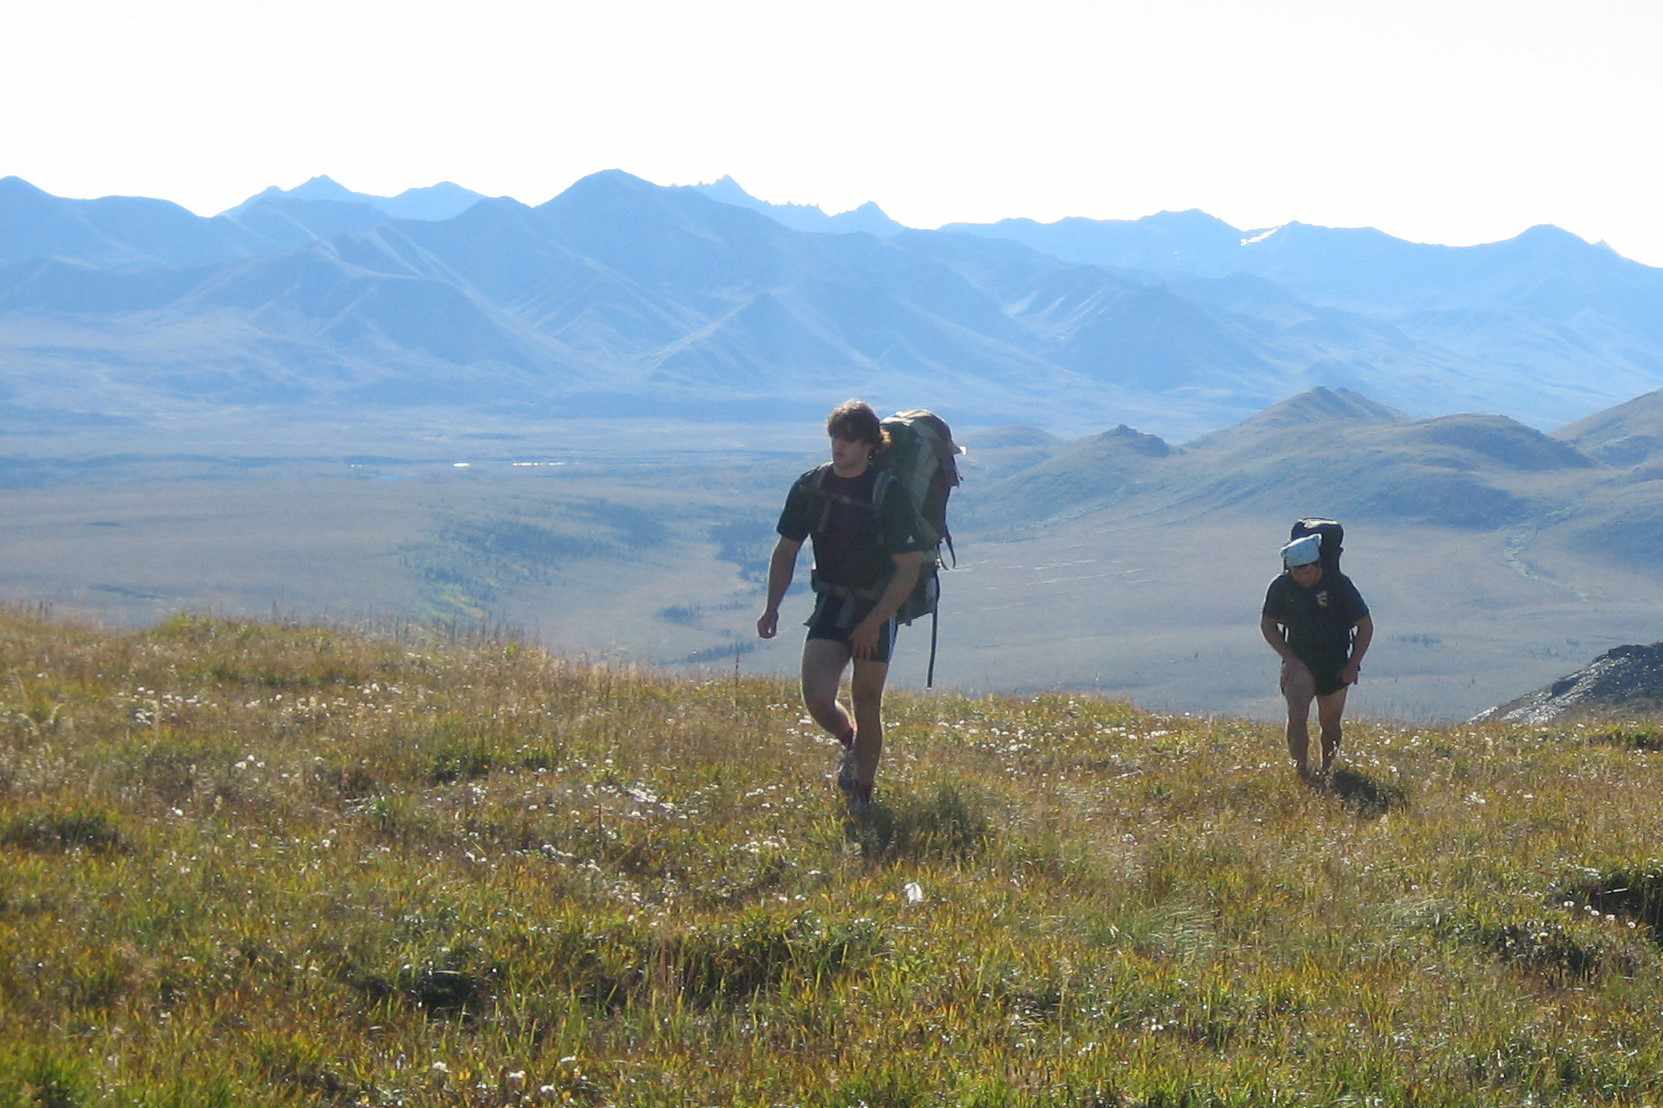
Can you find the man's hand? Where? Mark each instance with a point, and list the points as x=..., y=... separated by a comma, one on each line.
x=1349, y=672
x=863, y=640
x=780, y=565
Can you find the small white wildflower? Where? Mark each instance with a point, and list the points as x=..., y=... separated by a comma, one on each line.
x=915, y=892
x=439, y=1069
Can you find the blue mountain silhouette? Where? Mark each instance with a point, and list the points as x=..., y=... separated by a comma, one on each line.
x=867, y=218
x=624, y=289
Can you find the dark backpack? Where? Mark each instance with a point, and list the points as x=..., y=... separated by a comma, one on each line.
x=1333, y=540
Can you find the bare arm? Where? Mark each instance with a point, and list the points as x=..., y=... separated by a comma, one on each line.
x=1272, y=631
x=781, y=567
x=863, y=637
x=1359, y=647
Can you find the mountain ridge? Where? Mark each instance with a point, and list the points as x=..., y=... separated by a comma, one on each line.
x=867, y=217
x=1347, y=456
x=1626, y=680
x=674, y=296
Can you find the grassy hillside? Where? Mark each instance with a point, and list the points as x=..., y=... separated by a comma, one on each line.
x=260, y=863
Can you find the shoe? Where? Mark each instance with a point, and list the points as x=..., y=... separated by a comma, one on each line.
x=856, y=795
x=846, y=779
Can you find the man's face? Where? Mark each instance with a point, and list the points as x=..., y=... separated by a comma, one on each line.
x=1306, y=576
x=849, y=456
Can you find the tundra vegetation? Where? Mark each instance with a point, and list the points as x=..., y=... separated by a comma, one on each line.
x=246, y=862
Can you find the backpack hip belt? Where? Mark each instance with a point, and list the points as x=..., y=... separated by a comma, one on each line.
x=848, y=597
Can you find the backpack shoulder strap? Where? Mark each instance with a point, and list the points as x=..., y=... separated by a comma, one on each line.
x=881, y=487
x=816, y=482
x=818, y=487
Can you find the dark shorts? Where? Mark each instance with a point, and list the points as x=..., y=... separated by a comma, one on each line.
x=832, y=620
x=1328, y=681
x=1327, y=678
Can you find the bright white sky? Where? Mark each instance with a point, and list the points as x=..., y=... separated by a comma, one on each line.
x=1455, y=121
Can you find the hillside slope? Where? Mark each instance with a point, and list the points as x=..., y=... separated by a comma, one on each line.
x=289, y=864
x=1627, y=680
x=1335, y=450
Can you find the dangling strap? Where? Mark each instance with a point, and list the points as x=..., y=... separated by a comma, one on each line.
x=935, y=616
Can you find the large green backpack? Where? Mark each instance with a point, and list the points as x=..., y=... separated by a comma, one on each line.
x=920, y=462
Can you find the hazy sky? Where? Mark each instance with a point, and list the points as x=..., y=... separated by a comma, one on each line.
x=1454, y=121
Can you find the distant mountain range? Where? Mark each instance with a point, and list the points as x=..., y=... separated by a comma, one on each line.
x=132, y=233
x=435, y=202
x=620, y=297
x=804, y=217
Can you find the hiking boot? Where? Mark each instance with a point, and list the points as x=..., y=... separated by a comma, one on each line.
x=847, y=782
x=856, y=795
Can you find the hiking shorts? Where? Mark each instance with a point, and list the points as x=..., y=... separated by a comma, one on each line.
x=833, y=620
x=1327, y=682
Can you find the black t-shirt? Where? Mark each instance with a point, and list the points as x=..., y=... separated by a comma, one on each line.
x=1317, y=621
x=854, y=544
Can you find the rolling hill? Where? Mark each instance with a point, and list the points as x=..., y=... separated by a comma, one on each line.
x=262, y=861
x=1334, y=449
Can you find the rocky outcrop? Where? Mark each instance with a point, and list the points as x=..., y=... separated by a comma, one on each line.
x=1627, y=679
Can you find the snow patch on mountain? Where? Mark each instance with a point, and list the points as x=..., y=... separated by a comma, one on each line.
x=1260, y=236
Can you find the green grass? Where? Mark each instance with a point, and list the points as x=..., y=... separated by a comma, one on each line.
x=260, y=863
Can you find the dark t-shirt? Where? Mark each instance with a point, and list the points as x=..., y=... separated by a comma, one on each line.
x=1317, y=621
x=856, y=545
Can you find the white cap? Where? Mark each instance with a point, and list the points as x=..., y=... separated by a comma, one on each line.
x=1302, y=552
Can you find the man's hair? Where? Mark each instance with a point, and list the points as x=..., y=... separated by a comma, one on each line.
x=855, y=421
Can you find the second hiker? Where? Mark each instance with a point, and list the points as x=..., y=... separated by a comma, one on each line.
x=1316, y=620
x=869, y=548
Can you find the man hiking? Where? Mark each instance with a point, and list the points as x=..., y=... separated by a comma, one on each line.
x=1309, y=616
x=868, y=549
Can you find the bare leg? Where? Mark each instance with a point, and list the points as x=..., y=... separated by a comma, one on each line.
x=1329, y=710
x=867, y=689
x=823, y=664
x=1299, y=688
